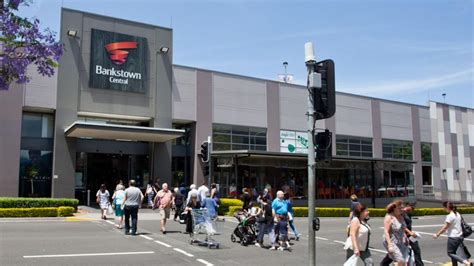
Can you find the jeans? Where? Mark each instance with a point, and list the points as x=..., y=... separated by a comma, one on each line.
x=365, y=256
x=292, y=225
x=282, y=227
x=263, y=229
x=177, y=211
x=455, y=247
x=131, y=211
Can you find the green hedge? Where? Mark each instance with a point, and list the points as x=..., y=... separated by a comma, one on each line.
x=62, y=211
x=226, y=204
x=344, y=212
x=233, y=209
x=65, y=211
x=6, y=202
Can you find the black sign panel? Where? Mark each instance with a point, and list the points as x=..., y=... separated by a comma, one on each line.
x=118, y=62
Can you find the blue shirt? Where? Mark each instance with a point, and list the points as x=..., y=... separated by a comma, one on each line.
x=280, y=206
x=210, y=205
x=289, y=206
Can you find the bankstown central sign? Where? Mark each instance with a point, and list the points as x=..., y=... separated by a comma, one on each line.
x=118, y=62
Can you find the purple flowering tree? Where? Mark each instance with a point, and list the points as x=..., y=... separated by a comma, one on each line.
x=22, y=43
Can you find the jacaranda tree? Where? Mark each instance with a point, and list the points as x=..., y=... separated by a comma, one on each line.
x=22, y=44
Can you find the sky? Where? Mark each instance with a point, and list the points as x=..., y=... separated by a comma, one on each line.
x=407, y=50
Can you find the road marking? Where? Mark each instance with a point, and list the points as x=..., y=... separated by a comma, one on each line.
x=162, y=243
x=321, y=238
x=109, y=222
x=88, y=254
x=340, y=242
x=205, y=262
x=184, y=252
x=431, y=234
x=146, y=237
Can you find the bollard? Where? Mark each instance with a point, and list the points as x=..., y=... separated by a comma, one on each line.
x=89, y=197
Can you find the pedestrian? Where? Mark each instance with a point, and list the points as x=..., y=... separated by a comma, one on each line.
x=280, y=212
x=232, y=191
x=132, y=202
x=246, y=199
x=118, y=197
x=193, y=204
x=359, y=237
x=202, y=190
x=178, y=203
x=395, y=239
x=414, y=245
x=210, y=204
x=265, y=223
x=457, y=251
x=150, y=194
x=103, y=196
x=164, y=201
x=354, y=203
x=192, y=191
x=291, y=216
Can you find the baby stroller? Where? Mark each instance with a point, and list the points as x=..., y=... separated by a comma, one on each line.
x=246, y=229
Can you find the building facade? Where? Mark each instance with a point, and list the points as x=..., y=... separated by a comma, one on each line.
x=119, y=109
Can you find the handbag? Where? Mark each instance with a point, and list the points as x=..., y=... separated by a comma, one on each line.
x=157, y=202
x=110, y=211
x=466, y=228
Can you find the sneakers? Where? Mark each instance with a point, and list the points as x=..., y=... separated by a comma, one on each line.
x=258, y=245
x=273, y=248
x=298, y=237
x=281, y=248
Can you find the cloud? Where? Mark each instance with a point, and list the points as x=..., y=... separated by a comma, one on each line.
x=412, y=85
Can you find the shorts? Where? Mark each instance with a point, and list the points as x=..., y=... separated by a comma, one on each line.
x=118, y=210
x=165, y=213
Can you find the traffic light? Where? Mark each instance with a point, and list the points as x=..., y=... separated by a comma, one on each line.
x=205, y=152
x=323, y=144
x=205, y=168
x=324, y=98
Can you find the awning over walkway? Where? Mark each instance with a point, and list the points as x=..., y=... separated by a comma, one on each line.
x=81, y=129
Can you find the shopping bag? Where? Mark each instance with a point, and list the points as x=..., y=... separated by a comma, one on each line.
x=352, y=261
x=348, y=243
x=110, y=210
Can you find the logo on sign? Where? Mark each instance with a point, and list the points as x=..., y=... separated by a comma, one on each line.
x=117, y=53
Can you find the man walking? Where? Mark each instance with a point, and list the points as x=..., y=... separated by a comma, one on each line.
x=280, y=211
x=132, y=202
x=165, y=199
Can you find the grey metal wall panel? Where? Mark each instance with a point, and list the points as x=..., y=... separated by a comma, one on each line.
x=425, y=124
x=293, y=106
x=376, y=129
x=41, y=91
x=273, y=117
x=184, y=94
x=353, y=116
x=239, y=101
x=10, y=139
x=396, y=121
x=415, y=118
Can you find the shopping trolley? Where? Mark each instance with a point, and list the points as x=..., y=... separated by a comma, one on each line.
x=202, y=223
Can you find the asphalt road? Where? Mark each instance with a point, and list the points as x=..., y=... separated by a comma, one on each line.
x=89, y=241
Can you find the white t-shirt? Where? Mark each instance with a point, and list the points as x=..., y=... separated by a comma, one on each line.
x=454, y=220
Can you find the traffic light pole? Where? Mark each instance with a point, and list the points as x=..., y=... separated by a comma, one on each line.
x=310, y=63
x=209, y=158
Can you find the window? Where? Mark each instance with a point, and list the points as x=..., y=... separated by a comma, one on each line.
x=426, y=152
x=353, y=146
x=227, y=137
x=37, y=125
x=35, y=173
x=397, y=149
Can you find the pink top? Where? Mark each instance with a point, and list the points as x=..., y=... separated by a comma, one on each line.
x=165, y=199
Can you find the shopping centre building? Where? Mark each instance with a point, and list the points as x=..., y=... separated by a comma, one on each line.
x=119, y=109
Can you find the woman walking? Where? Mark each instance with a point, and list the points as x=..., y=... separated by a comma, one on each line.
x=452, y=224
x=395, y=239
x=103, y=200
x=291, y=217
x=193, y=204
x=359, y=236
x=118, y=197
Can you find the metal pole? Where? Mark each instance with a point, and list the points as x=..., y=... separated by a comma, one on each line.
x=88, y=197
x=373, y=184
x=311, y=166
x=209, y=159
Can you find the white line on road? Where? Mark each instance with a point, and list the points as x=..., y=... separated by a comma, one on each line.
x=184, y=252
x=321, y=238
x=340, y=242
x=205, y=262
x=162, y=243
x=112, y=223
x=146, y=237
x=88, y=254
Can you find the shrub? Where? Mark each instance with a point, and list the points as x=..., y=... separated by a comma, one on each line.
x=225, y=204
x=65, y=211
x=233, y=209
x=29, y=212
x=6, y=202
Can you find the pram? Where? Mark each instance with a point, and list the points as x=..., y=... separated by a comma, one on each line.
x=246, y=230
x=202, y=223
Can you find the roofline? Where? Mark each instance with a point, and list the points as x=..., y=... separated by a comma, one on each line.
x=299, y=86
x=115, y=18
x=447, y=104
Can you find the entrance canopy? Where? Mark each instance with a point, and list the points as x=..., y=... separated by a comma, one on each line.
x=81, y=129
